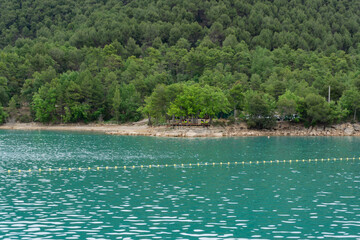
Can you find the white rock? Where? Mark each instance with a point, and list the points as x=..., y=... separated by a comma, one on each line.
x=349, y=131
x=190, y=133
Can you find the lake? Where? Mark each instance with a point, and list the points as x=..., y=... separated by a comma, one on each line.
x=298, y=200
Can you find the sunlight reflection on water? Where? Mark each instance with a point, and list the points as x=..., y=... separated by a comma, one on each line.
x=298, y=200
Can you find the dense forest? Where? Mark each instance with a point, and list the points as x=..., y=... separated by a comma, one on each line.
x=70, y=61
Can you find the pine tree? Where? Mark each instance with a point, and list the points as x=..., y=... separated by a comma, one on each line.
x=116, y=103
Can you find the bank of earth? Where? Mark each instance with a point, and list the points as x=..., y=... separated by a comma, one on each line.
x=141, y=129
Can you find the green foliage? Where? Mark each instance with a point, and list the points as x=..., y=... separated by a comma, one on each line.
x=24, y=119
x=44, y=104
x=230, y=41
x=76, y=113
x=322, y=25
x=274, y=86
x=157, y=104
x=3, y=115
x=199, y=101
x=351, y=100
x=13, y=104
x=116, y=101
x=3, y=91
x=212, y=102
x=185, y=101
x=186, y=104
x=129, y=104
x=83, y=61
x=236, y=97
x=337, y=113
x=318, y=110
x=288, y=105
x=259, y=109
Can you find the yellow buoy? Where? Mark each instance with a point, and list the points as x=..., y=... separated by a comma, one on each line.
x=79, y=168
x=49, y=169
x=174, y=165
x=150, y=166
x=97, y=168
x=89, y=168
x=133, y=166
x=19, y=170
x=107, y=167
x=69, y=169
x=206, y=164
x=124, y=167
x=198, y=164
x=9, y=171
x=39, y=169
x=115, y=167
x=141, y=166
x=59, y=169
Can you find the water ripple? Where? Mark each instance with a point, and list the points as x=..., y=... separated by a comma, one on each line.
x=312, y=200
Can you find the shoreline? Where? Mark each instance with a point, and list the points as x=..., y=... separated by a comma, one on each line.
x=236, y=130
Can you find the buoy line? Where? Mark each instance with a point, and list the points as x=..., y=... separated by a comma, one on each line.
x=175, y=165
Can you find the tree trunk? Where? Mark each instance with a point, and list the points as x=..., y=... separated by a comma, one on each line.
x=149, y=120
x=355, y=115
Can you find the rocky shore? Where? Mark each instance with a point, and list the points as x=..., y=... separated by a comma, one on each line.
x=238, y=130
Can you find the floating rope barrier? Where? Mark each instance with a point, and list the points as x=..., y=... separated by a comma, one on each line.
x=181, y=165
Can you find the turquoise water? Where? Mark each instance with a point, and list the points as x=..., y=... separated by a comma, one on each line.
x=259, y=201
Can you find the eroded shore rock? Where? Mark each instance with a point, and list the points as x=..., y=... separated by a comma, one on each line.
x=241, y=130
x=238, y=130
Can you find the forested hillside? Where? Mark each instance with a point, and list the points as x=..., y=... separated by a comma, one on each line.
x=82, y=61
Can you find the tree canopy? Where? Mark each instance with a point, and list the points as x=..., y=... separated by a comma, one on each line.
x=84, y=61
